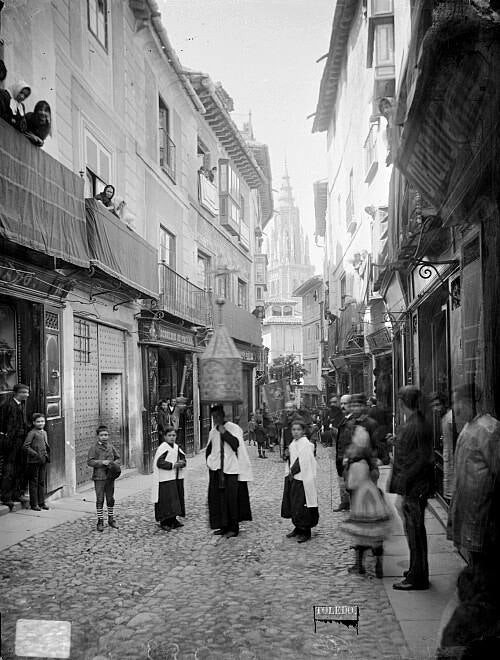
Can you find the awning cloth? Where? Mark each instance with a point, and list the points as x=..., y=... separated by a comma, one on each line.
x=120, y=252
x=41, y=201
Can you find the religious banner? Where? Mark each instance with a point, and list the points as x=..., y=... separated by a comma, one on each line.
x=276, y=394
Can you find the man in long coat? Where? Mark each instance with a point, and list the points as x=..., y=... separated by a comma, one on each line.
x=229, y=472
x=15, y=427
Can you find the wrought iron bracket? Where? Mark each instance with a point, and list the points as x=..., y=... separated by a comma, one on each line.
x=124, y=302
x=93, y=296
x=426, y=269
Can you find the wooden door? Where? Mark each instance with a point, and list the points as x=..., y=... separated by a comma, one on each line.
x=112, y=412
x=56, y=473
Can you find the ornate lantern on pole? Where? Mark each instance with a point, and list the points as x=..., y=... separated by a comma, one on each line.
x=220, y=367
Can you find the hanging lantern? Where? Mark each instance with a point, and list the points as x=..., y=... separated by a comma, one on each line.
x=220, y=375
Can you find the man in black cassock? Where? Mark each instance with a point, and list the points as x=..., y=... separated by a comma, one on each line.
x=229, y=471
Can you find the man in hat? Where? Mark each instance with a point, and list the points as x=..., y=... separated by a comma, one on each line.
x=14, y=427
x=413, y=479
x=229, y=472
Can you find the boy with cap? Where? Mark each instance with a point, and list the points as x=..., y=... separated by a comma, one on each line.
x=105, y=461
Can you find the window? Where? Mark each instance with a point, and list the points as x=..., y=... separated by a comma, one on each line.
x=380, y=49
x=167, y=146
x=317, y=332
x=276, y=310
x=242, y=294
x=81, y=339
x=203, y=271
x=258, y=293
x=203, y=156
x=381, y=7
x=230, y=198
x=97, y=12
x=221, y=286
x=167, y=247
x=260, y=270
x=287, y=311
x=384, y=44
x=98, y=166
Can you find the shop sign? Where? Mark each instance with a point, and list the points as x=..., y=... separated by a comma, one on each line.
x=17, y=274
x=158, y=332
x=248, y=356
x=379, y=339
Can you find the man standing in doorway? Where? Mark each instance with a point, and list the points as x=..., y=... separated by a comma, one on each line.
x=413, y=479
x=229, y=473
x=15, y=428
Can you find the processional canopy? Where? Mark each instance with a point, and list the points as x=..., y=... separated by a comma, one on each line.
x=220, y=376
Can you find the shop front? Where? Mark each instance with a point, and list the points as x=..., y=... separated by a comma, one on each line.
x=169, y=359
x=30, y=349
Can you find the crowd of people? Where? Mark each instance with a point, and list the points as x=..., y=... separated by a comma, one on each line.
x=360, y=435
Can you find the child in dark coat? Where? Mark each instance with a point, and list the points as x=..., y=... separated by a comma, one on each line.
x=37, y=448
x=105, y=461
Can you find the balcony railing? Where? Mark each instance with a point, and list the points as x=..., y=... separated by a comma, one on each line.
x=370, y=147
x=167, y=154
x=41, y=201
x=119, y=252
x=178, y=296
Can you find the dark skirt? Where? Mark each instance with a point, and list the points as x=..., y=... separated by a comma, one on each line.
x=230, y=505
x=170, y=500
x=294, y=506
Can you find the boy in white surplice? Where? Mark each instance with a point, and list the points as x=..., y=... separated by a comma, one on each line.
x=300, y=500
x=168, y=481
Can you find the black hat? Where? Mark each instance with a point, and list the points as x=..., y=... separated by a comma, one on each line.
x=114, y=471
x=358, y=398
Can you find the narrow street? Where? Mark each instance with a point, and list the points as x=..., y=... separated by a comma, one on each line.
x=141, y=592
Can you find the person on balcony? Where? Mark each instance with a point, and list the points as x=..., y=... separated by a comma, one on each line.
x=39, y=124
x=12, y=105
x=106, y=198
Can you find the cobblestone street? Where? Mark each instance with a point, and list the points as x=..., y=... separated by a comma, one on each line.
x=141, y=592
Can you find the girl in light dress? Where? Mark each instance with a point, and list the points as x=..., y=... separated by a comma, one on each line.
x=369, y=521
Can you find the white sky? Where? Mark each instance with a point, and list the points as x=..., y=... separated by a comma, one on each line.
x=264, y=53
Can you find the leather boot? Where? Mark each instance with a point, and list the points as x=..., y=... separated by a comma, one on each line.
x=112, y=523
x=100, y=525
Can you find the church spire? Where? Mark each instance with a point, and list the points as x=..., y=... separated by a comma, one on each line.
x=286, y=195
